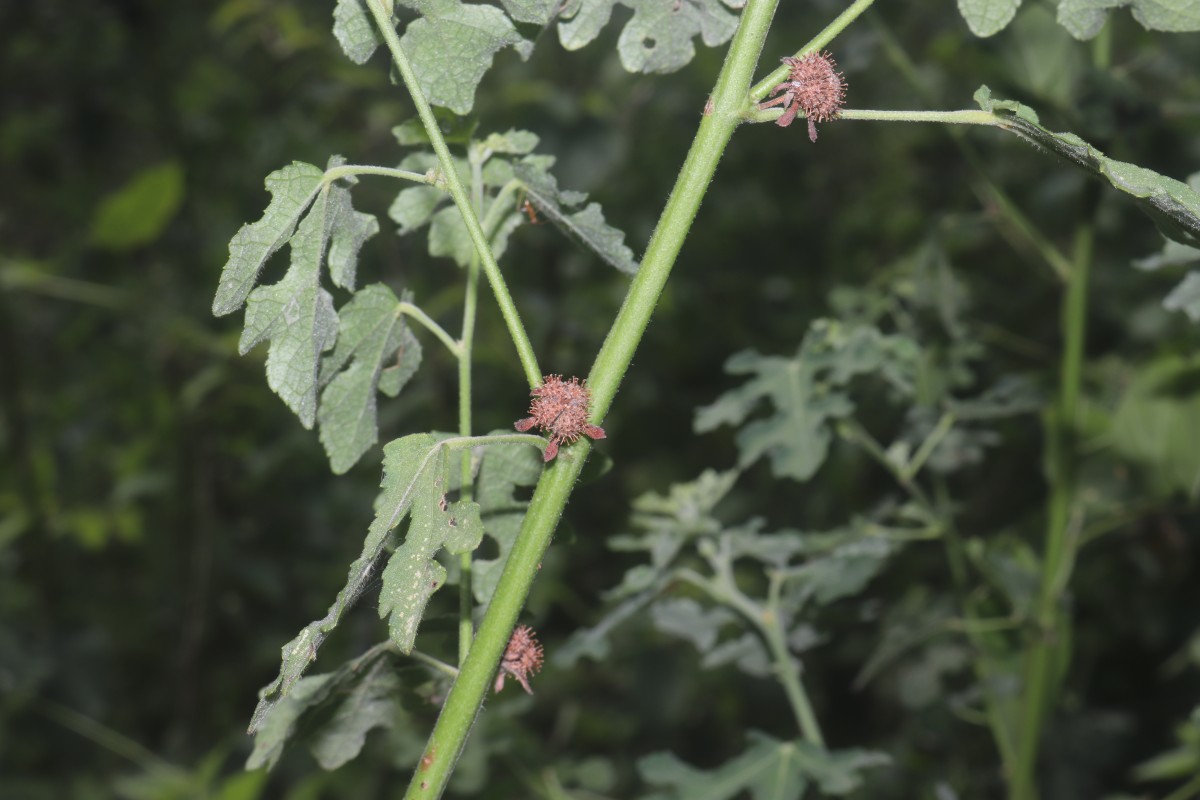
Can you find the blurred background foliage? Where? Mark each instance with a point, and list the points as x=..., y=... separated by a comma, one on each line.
x=165, y=523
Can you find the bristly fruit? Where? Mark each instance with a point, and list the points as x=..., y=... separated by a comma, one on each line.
x=522, y=658
x=560, y=408
x=814, y=87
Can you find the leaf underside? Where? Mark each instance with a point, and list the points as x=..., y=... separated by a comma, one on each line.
x=414, y=485
x=1173, y=205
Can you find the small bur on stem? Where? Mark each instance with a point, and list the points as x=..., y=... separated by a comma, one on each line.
x=814, y=87
x=560, y=408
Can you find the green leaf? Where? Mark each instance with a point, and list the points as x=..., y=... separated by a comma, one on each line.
x=837, y=772
x=686, y=619
x=505, y=468
x=292, y=189
x=452, y=45
x=1085, y=18
x=137, y=213
x=658, y=37
x=297, y=316
x=350, y=230
x=354, y=29
x=844, y=572
x=768, y=769
x=988, y=17
x=1185, y=297
x=1157, y=424
x=806, y=392
x=415, y=482
x=371, y=333
x=1173, y=205
x=332, y=713
x=586, y=226
x=537, y=12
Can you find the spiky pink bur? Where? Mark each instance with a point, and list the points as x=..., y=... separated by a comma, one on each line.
x=560, y=408
x=522, y=658
x=814, y=86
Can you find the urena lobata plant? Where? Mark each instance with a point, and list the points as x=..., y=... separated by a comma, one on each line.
x=329, y=359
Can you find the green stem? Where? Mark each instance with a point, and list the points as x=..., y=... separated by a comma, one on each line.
x=466, y=626
x=966, y=117
x=1045, y=651
x=415, y=313
x=786, y=668
x=381, y=10
x=346, y=170
x=462, y=705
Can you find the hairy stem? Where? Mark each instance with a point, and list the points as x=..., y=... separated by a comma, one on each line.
x=558, y=480
x=415, y=313
x=346, y=170
x=381, y=10
x=1044, y=658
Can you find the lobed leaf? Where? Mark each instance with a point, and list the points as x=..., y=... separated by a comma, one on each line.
x=371, y=333
x=537, y=12
x=452, y=45
x=292, y=189
x=768, y=769
x=658, y=37
x=806, y=392
x=332, y=713
x=296, y=315
x=587, y=226
x=988, y=17
x=414, y=482
x=1173, y=205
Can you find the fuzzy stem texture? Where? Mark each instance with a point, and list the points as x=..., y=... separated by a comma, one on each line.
x=558, y=480
x=381, y=11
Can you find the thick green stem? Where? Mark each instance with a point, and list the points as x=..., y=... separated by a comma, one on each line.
x=1045, y=651
x=466, y=626
x=550, y=497
x=381, y=10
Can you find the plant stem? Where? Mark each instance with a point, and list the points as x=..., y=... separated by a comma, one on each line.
x=466, y=626
x=347, y=170
x=1044, y=655
x=965, y=117
x=414, y=312
x=381, y=10
x=466, y=696
x=698, y=168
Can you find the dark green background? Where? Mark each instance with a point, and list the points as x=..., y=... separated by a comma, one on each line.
x=166, y=524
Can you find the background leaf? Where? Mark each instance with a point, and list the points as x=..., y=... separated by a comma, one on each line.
x=505, y=469
x=136, y=213
x=806, y=392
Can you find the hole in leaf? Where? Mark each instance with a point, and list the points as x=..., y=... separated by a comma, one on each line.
x=649, y=43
